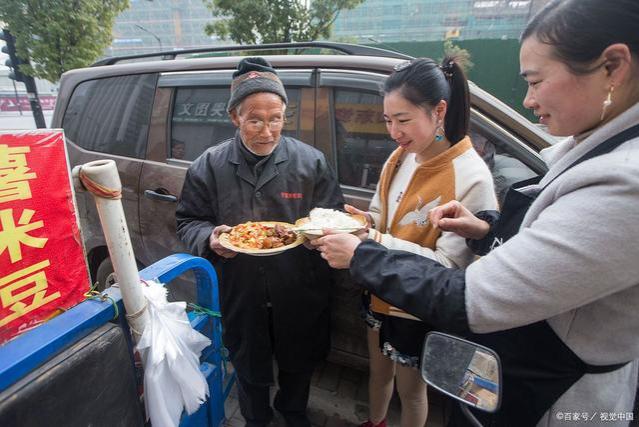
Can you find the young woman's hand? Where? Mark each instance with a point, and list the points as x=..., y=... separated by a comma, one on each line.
x=354, y=211
x=337, y=249
x=453, y=216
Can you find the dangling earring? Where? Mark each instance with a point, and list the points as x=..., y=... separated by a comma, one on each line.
x=439, y=134
x=607, y=103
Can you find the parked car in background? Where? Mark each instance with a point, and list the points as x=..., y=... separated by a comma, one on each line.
x=156, y=116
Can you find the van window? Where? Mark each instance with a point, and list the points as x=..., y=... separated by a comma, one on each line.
x=200, y=121
x=504, y=165
x=111, y=115
x=362, y=142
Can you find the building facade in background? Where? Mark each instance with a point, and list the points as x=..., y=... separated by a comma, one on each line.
x=148, y=26
x=488, y=29
x=384, y=21
x=416, y=27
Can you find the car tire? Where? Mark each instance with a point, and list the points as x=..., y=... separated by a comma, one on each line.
x=104, y=275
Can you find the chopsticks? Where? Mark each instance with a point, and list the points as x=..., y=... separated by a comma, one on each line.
x=303, y=229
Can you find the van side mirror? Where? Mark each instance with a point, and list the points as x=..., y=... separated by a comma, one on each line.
x=466, y=371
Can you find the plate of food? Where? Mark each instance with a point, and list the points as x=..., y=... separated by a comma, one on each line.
x=320, y=219
x=261, y=238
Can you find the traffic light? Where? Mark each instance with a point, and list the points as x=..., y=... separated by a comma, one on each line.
x=13, y=62
x=29, y=82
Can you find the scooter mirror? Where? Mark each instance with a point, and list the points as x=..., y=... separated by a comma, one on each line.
x=466, y=371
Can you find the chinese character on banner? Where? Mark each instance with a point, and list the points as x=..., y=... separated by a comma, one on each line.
x=14, y=174
x=42, y=266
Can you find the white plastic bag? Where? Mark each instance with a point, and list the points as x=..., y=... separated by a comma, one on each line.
x=170, y=350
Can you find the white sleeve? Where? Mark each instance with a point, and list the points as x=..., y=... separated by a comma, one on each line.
x=474, y=189
x=375, y=208
x=581, y=247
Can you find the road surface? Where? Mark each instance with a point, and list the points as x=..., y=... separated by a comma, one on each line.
x=11, y=120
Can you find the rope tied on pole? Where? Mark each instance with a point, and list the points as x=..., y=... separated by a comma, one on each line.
x=98, y=189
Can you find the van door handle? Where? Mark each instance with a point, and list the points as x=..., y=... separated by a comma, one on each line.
x=154, y=195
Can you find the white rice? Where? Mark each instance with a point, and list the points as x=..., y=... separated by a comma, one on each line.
x=321, y=218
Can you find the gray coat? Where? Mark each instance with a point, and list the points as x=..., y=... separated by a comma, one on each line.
x=589, y=290
x=220, y=189
x=574, y=263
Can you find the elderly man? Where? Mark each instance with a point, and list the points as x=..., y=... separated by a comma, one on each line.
x=272, y=307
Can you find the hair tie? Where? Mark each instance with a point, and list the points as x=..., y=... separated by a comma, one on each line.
x=447, y=69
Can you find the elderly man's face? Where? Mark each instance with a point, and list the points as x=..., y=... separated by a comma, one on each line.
x=260, y=118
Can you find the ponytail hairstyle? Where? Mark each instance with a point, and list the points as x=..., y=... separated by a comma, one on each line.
x=425, y=83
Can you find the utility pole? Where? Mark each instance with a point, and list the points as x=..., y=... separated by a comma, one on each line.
x=15, y=91
x=36, y=108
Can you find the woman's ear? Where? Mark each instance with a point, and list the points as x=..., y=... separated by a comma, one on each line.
x=440, y=110
x=618, y=63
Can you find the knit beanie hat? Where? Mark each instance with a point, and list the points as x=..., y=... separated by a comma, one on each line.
x=254, y=75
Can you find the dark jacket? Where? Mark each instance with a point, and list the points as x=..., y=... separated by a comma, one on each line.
x=220, y=188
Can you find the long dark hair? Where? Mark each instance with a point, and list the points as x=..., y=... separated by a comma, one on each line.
x=580, y=30
x=424, y=82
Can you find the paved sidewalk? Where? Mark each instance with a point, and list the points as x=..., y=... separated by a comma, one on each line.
x=339, y=398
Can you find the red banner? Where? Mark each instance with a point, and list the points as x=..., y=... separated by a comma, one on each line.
x=10, y=103
x=42, y=265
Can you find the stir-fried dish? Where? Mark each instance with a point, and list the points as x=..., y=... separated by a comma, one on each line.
x=255, y=235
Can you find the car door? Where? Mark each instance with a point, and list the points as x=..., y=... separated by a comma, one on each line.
x=189, y=116
x=351, y=131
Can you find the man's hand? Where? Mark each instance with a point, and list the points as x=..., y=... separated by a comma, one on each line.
x=214, y=242
x=453, y=216
x=337, y=249
x=354, y=211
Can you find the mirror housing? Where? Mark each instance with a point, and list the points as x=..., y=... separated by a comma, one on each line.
x=464, y=370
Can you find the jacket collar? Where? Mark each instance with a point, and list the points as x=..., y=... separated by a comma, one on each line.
x=280, y=154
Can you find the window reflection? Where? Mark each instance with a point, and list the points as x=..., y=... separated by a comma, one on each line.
x=363, y=144
x=503, y=164
x=111, y=115
x=200, y=121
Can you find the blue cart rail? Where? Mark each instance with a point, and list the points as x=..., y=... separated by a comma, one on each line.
x=31, y=350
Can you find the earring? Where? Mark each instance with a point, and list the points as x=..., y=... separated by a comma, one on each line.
x=439, y=134
x=607, y=102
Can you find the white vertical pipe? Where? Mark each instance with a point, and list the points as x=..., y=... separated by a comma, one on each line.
x=116, y=232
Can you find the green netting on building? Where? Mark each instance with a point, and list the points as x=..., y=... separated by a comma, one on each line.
x=425, y=20
x=496, y=65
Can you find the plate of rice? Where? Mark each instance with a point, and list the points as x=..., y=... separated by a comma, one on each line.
x=320, y=219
